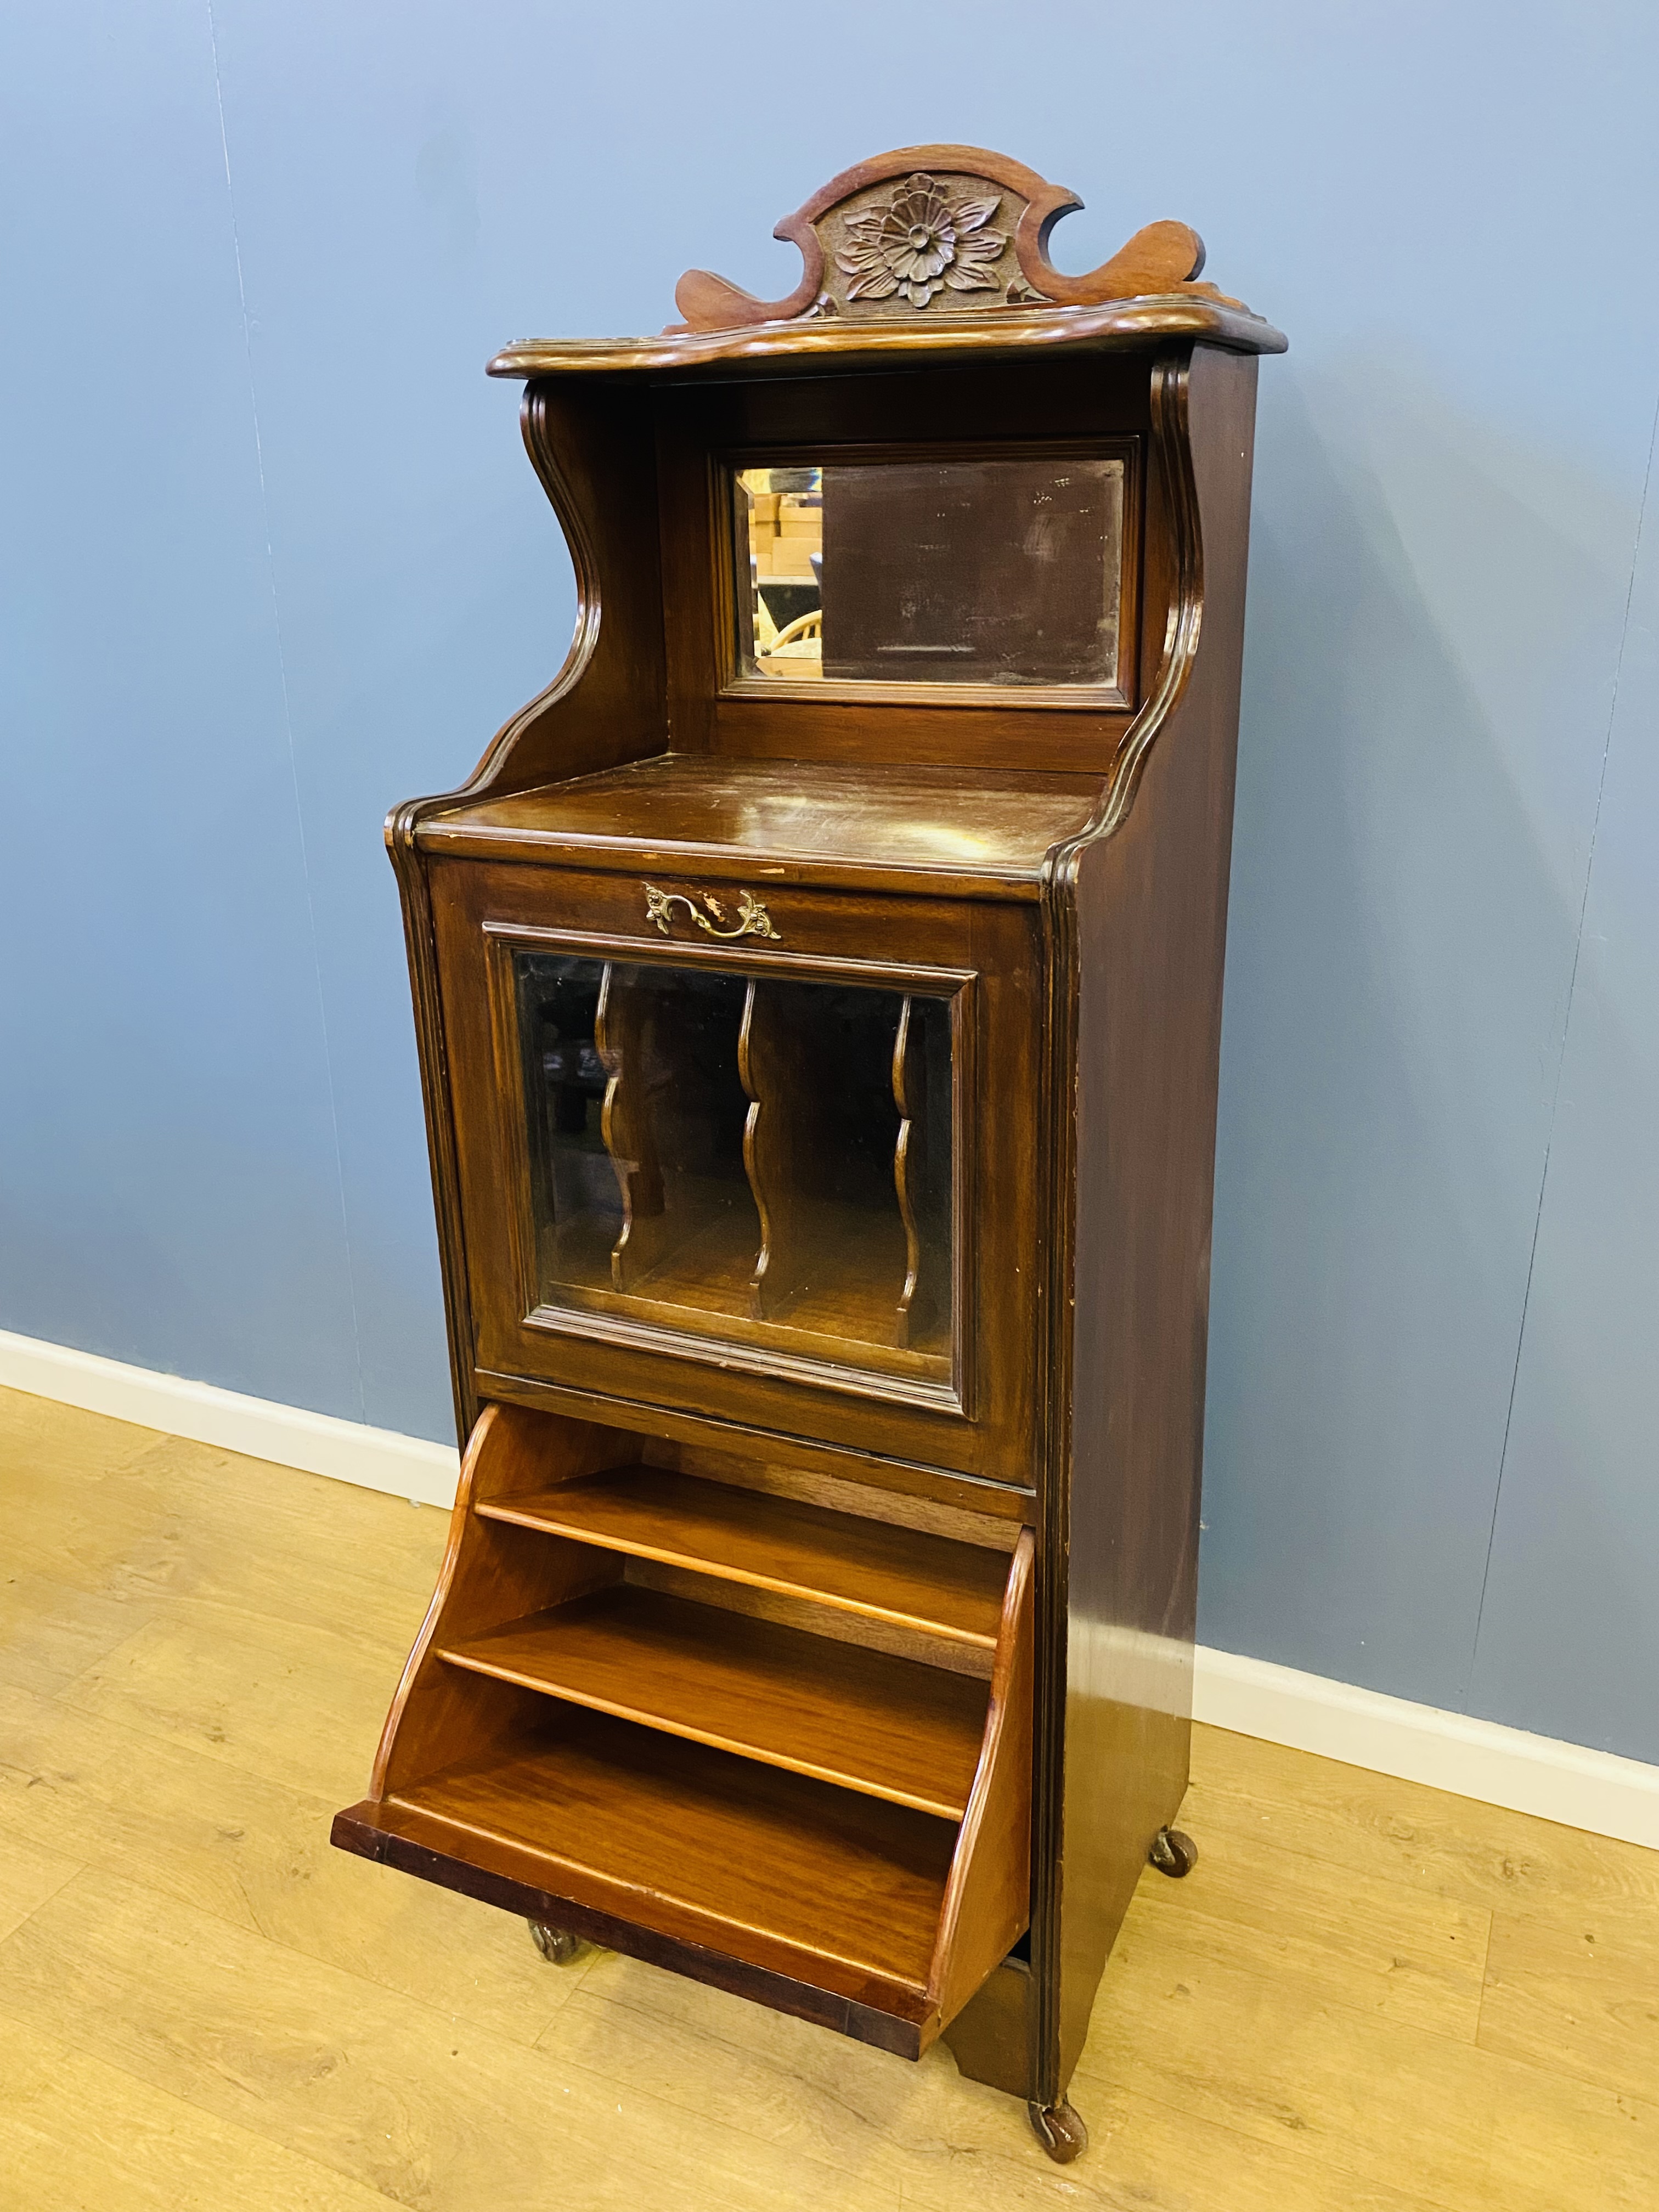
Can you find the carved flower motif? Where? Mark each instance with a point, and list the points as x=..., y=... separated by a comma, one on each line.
x=923, y=241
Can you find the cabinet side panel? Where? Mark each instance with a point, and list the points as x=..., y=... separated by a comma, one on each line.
x=594, y=449
x=1151, y=933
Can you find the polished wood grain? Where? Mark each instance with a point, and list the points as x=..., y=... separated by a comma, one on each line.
x=220, y=2006
x=943, y=1588
x=1164, y=257
x=437, y=1717
x=1142, y=922
x=812, y=1615
x=691, y=1839
x=987, y=1899
x=1117, y=326
x=806, y=1478
x=779, y=1133
x=907, y=1733
x=953, y=1506
x=922, y=1182
x=622, y=1028
x=884, y=1401
x=837, y=823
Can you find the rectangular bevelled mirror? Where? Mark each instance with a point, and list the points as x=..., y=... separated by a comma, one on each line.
x=744, y=1157
x=972, y=571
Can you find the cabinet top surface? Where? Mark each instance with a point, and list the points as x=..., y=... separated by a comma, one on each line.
x=936, y=822
x=781, y=347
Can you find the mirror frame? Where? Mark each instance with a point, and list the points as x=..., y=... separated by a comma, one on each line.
x=737, y=681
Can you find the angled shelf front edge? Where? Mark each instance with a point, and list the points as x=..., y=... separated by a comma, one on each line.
x=903, y=1575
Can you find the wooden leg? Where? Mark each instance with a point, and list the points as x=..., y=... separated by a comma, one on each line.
x=1174, y=1853
x=1060, y=2131
x=556, y=1945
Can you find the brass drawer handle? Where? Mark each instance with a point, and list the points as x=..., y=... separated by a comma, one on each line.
x=753, y=919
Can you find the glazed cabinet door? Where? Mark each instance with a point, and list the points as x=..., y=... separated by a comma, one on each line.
x=766, y=1159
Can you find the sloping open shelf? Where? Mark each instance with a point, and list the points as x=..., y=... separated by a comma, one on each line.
x=900, y=1575
x=719, y=1790
x=708, y=1847
x=872, y=1723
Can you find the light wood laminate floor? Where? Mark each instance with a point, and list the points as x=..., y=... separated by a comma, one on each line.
x=1370, y=1997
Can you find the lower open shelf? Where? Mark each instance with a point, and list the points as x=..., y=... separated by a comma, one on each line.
x=825, y=1806
x=775, y=1870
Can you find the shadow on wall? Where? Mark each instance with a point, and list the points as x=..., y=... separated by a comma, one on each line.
x=1434, y=625
x=1577, y=1533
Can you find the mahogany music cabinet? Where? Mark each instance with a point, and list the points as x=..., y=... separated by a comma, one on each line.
x=818, y=993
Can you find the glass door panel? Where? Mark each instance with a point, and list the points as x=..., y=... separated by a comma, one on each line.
x=741, y=1156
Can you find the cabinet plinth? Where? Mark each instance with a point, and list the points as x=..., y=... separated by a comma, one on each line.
x=818, y=991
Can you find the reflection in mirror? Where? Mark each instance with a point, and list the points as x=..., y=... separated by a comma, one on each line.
x=1003, y=571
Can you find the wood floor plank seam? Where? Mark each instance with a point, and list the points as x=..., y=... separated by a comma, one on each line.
x=1486, y=1977
x=551, y=2063
x=165, y=2096
x=1018, y=2158
x=1383, y=2026
x=1195, y=1912
x=179, y=1604
x=320, y=1799
x=291, y=1950
x=80, y=1867
x=103, y=2058
x=1313, y=2153
x=164, y=1900
x=1524, y=2082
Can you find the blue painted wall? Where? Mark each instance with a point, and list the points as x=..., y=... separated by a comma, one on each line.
x=273, y=559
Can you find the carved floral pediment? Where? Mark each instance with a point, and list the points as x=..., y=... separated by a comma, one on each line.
x=941, y=230
x=927, y=236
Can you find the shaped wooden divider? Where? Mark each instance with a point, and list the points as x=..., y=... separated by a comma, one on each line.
x=909, y=1075
x=621, y=1037
x=782, y=1153
x=777, y=1139
x=672, y=1122
x=816, y=1067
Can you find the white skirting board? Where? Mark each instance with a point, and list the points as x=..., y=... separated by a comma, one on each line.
x=351, y=1451
x=1564, y=1781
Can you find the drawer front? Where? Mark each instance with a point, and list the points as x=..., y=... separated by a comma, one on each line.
x=753, y=1151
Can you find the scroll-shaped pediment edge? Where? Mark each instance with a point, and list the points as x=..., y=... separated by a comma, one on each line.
x=1162, y=260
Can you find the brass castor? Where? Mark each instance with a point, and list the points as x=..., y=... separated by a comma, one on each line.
x=1060, y=2131
x=1174, y=1853
x=556, y=1945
